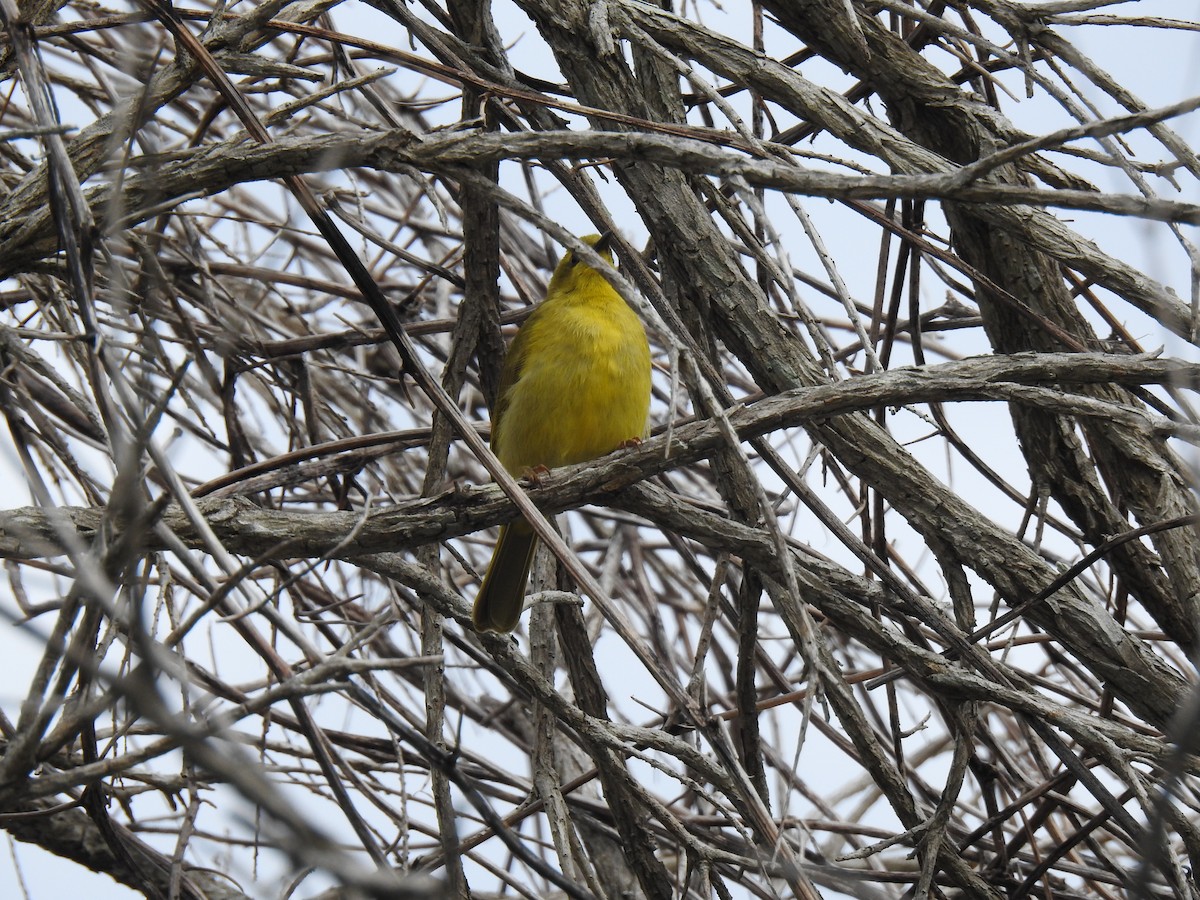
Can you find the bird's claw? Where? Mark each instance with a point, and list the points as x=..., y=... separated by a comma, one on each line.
x=535, y=474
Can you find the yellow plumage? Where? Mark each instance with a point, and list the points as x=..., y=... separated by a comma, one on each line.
x=575, y=385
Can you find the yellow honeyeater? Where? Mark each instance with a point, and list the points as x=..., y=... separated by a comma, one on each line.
x=575, y=385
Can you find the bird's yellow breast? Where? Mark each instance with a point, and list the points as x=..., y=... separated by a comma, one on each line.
x=581, y=379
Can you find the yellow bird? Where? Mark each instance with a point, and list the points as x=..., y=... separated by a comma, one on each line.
x=575, y=385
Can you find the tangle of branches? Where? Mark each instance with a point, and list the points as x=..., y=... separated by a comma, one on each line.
x=898, y=600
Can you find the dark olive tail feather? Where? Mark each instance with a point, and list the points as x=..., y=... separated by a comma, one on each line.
x=501, y=598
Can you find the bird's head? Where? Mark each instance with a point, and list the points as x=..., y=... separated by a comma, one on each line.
x=571, y=271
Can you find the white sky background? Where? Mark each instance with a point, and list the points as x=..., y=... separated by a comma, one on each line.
x=1160, y=67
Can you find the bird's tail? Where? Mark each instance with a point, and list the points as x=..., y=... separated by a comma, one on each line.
x=501, y=598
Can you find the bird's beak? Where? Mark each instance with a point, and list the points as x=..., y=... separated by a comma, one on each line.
x=605, y=243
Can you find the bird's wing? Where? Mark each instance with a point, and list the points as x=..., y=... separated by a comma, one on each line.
x=510, y=372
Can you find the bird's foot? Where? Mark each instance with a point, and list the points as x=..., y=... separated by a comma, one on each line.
x=630, y=443
x=534, y=474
